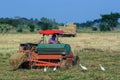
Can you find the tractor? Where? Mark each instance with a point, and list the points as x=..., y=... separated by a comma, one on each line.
x=31, y=55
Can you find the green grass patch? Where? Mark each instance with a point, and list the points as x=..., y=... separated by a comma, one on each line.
x=89, y=59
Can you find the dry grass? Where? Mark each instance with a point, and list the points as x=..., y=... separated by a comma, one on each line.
x=104, y=41
x=93, y=49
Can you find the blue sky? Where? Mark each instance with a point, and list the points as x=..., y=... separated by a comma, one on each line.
x=60, y=10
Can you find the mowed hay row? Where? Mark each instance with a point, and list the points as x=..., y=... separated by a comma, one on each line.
x=16, y=60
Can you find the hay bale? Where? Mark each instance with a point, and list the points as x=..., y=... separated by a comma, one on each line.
x=17, y=59
x=70, y=29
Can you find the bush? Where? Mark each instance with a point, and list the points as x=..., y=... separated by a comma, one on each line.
x=104, y=27
x=32, y=27
x=4, y=28
x=94, y=28
x=1, y=30
x=20, y=30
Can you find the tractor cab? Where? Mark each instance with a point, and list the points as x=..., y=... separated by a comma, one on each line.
x=54, y=33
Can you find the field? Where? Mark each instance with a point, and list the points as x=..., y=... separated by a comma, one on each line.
x=93, y=49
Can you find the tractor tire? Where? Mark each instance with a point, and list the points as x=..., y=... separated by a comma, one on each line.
x=27, y=65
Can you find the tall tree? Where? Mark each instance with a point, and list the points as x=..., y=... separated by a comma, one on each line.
x=110, y=19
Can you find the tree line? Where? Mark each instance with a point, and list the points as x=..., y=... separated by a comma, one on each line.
x=21, y=24
x=107, y=22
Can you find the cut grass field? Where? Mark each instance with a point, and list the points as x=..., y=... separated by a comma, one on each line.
x=93, y=49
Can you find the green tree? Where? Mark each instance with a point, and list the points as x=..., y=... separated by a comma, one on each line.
x=10, y=21
x=110, y=19
x=32, y=27
x=104, y=27
x=5, y=28
x=46, y=26
x=45, y=23
x=48, y=23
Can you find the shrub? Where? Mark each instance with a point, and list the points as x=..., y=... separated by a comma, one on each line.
x=94, y=28
x=104, y=27
x=32, y=27
x=20, y=30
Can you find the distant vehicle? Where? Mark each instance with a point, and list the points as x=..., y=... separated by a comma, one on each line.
x=69, y=29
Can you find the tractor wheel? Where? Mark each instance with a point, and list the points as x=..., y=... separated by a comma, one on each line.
x=64, y=64
x=27, y=65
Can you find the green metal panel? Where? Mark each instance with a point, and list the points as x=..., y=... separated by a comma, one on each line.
x=53, y=48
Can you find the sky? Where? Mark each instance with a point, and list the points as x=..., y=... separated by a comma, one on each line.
x=60, y=10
